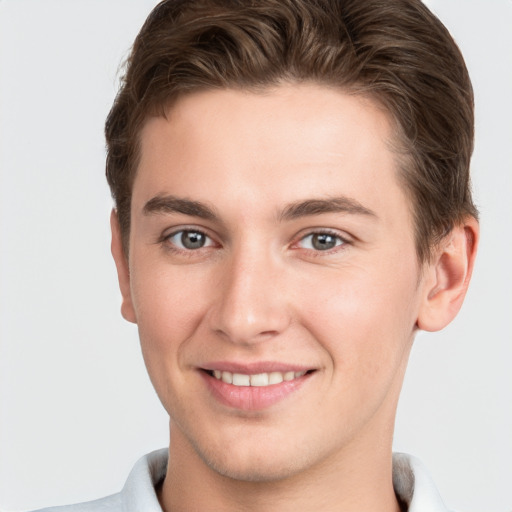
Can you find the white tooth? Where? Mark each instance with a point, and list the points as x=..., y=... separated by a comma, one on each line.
x=260, y=379
x=239, y=379
x=275, y=378
x=257, y=380
x=227, y=377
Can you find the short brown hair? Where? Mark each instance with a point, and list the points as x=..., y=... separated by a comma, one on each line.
x=395, y=51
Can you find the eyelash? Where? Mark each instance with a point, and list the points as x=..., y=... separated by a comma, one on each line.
x=172, y=246
x=341, y=242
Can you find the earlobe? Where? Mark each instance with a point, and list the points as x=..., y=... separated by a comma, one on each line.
x=123, y=272
x=446, y=278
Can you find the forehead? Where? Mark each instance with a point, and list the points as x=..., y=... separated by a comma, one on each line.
x=274, y=146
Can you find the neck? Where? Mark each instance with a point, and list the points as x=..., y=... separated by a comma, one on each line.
x=358, y=479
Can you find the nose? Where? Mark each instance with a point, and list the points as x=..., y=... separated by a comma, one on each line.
x=251, y=304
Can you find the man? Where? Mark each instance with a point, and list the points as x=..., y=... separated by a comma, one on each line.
x=291, y=181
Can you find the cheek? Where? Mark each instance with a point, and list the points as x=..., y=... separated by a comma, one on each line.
x=168, y=308
x=166, y=300
x=366, y=320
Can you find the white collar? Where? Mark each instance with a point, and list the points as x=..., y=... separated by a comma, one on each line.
x=414, y=485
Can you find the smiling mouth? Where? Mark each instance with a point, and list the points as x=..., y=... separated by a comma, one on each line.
x=258, y=379
x=254, y=390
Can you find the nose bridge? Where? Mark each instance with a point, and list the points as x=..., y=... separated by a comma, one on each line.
x=248, y=306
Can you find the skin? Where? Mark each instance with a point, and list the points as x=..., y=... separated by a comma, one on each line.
x=260, y=291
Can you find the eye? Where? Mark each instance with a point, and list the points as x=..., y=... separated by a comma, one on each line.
x=189, y=239
x=320, y=241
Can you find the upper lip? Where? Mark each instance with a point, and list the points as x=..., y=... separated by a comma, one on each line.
x=255, y=367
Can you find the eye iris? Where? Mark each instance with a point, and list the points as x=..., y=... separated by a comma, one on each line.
x=192, y=239
x=323, y=241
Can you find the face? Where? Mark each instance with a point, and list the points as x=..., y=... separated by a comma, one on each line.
x=273, y=277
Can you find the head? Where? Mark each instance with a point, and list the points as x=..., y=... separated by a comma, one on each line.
x=396, y=53
x=292, y=193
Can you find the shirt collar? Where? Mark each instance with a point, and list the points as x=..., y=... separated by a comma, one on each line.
x=414, y=485
x=139, y=490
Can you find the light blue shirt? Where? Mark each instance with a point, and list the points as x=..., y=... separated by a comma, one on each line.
x=410, y=479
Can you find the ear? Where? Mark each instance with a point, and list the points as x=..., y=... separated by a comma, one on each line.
x=446, y=279
x=123, y=270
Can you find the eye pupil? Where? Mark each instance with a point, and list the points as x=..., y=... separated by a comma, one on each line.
x=192, y=239
x=323, y=241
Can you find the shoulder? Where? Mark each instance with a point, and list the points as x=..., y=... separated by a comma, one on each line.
x=138, y=493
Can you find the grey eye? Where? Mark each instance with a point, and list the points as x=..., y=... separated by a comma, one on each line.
x=190, y=239
x=320, y=241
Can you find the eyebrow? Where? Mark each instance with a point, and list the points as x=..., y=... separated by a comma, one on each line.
x=172, y=204
x=340, y=204
x=308, y=207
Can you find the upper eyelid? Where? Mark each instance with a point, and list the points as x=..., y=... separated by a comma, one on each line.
x=167, y=233
x=342, y=235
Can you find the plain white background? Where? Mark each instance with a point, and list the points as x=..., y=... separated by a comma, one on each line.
x=76, y=406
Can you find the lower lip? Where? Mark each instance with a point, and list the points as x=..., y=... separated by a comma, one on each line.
x=252, y=398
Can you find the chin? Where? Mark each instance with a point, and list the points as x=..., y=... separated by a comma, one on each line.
x=256, y=465
x=256, y=471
